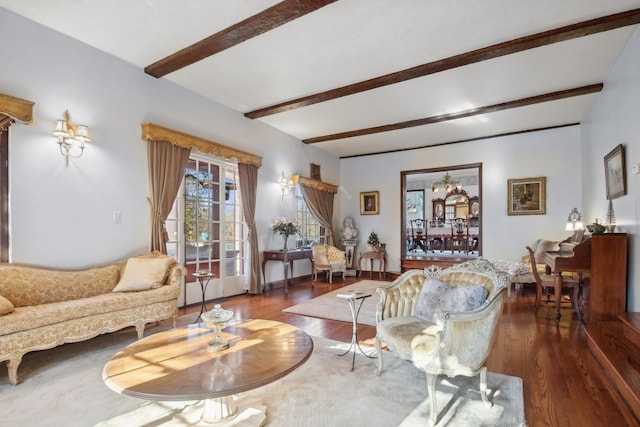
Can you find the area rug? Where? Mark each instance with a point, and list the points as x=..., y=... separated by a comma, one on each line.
x=328, y=306
x=63, y=386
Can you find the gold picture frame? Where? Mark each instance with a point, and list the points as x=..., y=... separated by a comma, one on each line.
x=369, y=203
x=615, y=173
x=527, y=196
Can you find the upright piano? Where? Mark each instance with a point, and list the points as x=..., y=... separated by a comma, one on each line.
x=603, y=257
x=571, y=257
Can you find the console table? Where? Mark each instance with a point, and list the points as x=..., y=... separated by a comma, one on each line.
x=287, y=258
x=371, y=256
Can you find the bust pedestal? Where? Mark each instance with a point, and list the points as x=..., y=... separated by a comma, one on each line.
x=349, y=248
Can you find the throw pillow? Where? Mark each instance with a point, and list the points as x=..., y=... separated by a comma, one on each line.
x=143, y=273
x=437, y=297
x=6, y=306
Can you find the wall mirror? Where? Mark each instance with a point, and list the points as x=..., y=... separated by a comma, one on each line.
x=456, y=205
x=438, y=196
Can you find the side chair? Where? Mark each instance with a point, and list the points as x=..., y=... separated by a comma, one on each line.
x=329, y=259
x=436, y=319
x=546, y=282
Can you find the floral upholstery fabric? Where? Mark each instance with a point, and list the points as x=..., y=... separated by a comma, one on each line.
x=36, y=316
x=512, y=268
x=54, y=307
x=6, y=306
x=27, y=285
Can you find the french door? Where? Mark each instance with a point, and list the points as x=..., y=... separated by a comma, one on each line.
x=207, y=231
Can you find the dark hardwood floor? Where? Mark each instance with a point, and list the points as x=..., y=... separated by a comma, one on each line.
x=562, y=382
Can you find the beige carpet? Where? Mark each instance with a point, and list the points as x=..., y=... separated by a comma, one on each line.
x=63, y=386
x=328, y=306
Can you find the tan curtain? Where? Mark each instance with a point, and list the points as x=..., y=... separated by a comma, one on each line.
x=167, y=163
x=320, y=204
x=248, y=175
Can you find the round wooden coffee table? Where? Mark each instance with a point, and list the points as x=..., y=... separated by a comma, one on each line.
x=175, y=365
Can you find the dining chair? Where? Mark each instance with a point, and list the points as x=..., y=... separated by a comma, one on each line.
x=418, y=240
x=460, y=235
x=547, y=282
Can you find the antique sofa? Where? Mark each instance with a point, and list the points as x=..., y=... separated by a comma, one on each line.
x=442, y=321
x=41, y=308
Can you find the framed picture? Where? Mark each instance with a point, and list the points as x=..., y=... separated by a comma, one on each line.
x=614, y=173
x=369, y=203
x=315, y=172
x=527, y=196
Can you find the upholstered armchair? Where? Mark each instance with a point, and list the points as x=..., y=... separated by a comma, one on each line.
x=330, y=259
x=465, y=303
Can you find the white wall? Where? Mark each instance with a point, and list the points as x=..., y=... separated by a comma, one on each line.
x=615, y=119
x=63, y=216
x=547, y=153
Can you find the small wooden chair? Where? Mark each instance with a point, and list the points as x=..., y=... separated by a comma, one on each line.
x=544, y=282
x=418, y=237
x=460, y=235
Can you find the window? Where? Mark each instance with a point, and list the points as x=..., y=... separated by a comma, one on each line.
x=206, y=227
x=312, y=232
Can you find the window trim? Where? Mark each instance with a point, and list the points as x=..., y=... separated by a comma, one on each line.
x=4, y=195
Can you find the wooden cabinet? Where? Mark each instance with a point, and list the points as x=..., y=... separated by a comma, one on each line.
x=410, y=263
x=605, y=288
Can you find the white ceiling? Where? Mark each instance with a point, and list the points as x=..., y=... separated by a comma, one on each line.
x=349, y=41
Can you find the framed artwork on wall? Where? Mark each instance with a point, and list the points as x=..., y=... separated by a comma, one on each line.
x=527, y=196
x=614, y=173
x=315, y=172
x=369, y=203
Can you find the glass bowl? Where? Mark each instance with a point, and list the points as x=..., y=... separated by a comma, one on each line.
x=216, y=320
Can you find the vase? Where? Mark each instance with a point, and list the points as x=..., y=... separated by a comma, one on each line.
x=286, y=240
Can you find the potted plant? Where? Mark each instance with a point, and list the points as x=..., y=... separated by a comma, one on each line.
x=373, y=242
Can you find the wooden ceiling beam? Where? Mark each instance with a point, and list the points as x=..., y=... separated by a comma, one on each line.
x=267, y=20
x=561, y=34
x=553, y=96
x=460, y=141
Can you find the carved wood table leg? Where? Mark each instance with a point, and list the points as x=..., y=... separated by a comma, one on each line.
x=558, y=295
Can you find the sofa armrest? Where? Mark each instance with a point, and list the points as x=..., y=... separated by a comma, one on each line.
x=176, y=275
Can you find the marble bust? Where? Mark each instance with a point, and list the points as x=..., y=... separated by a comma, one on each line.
x=348, y=231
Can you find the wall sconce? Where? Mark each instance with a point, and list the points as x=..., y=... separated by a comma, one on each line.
x=71, y=139
x=574, y=222
x=286, y=185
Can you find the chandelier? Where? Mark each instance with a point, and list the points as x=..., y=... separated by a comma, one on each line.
x=447, y=183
